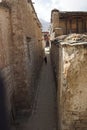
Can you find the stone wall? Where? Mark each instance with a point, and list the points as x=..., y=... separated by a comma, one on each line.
x=22, y=51
x=70, y=64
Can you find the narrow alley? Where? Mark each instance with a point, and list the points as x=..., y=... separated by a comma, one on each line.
x=39, y=93
x=44, y=112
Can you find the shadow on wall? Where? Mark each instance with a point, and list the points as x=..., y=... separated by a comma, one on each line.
x=4, y=124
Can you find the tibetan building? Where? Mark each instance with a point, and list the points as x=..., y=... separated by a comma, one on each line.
x=63, y=23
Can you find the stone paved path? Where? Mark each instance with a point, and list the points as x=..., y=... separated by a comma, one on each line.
x=44, y=113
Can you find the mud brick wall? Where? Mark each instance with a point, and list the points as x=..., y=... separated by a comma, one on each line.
x=25, y=50
x=71, y=76
x=5, y=54
x=21, y=51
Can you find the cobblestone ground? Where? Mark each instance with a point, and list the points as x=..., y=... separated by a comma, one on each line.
x=43, y=116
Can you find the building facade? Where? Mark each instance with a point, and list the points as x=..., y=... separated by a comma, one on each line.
x=46, y=39
x=21, y=53
x=63, y=23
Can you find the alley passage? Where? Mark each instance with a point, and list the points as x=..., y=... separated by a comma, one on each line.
x=44, y=112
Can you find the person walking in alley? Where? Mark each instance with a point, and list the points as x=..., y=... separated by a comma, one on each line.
x=45, y=59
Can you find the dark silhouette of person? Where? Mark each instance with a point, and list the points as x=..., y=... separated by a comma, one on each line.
x=45, y=59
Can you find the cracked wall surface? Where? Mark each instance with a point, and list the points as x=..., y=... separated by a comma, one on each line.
x=70, y=65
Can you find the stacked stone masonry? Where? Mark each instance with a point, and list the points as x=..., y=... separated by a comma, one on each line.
x=21, y=52
x=70, y=67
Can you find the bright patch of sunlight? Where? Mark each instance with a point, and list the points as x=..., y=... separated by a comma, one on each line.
x=47, y=50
